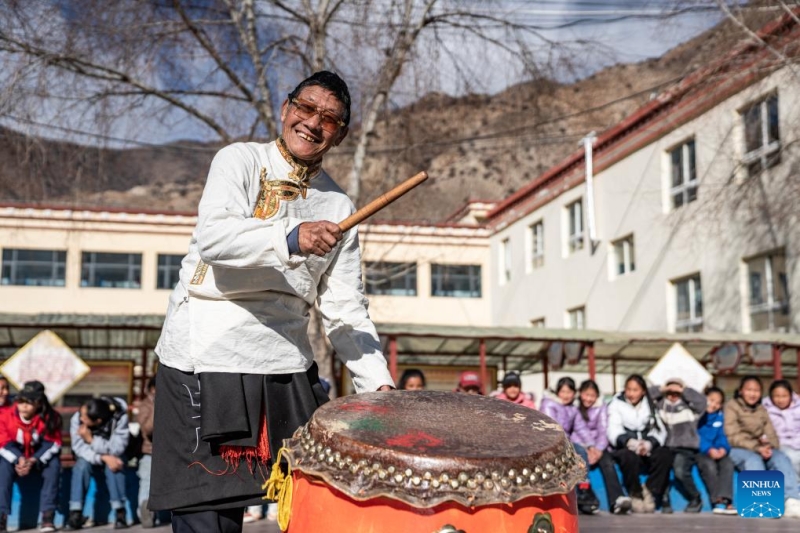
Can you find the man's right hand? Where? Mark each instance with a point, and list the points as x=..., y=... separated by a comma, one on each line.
x=318, y=238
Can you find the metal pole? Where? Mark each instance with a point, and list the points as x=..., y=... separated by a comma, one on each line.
x=545, y=369
x=776, y=362
x=614, y=374
x=484, y=375
x=393, y=357
x=588, y=144
x=592, y=366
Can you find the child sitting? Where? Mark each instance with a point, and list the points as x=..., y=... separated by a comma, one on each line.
x=30, y=436
x=783, y=406
x=100, y=435
x=560, y=407
x=589, y=432
x=714, y=462
x=680, y=407
x=637, y=436
x=754, y=443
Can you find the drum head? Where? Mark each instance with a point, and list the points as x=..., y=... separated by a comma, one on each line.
x=427, y=448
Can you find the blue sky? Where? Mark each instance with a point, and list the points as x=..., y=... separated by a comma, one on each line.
x=618, y=30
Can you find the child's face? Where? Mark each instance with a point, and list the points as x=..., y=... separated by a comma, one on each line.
x=633, y=392
x=27, y=410
x=588, y=397
x=751, y=392
x=566, y=395
x=413, y=383
x=781, y=398
x=714, y=402
x=3, y=392
x=512, y=392
x=85, y=420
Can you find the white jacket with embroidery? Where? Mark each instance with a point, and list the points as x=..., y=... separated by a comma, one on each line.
x=250, y=312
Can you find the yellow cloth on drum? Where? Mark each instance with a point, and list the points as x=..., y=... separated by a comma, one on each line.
x=279, y=488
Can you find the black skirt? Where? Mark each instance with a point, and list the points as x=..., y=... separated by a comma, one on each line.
x=195, y=414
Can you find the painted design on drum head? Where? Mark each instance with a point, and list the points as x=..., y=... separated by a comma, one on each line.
x=416, y=440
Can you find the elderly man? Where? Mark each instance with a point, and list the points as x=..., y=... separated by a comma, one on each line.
x=237, y=374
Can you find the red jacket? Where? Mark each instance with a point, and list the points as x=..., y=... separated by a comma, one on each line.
x=31, y=439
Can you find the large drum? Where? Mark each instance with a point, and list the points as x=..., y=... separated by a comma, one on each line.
x=431, y=462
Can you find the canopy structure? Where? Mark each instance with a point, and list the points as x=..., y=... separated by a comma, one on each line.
x=133, y=338
x=591, y=351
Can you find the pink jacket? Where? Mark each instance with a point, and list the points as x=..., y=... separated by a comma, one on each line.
x=786, y=421
x=525, y=400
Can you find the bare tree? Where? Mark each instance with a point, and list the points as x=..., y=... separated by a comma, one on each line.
x=225, y=63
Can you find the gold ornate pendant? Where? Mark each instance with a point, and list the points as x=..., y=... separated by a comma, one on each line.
x=271, y=194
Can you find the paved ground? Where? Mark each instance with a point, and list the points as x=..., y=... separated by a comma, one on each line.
x=706, y=522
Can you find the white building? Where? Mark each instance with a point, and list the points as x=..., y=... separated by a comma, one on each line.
x=692, y=224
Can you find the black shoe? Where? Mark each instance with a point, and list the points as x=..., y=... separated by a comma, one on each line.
x=695, y=506
x=3, y=523
x=75, y=520
x=666, y=506
x=587, y=500
x=48, y=522
x=121, y=522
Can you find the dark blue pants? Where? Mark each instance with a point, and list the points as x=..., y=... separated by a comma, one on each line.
x=50, y=473
x=223, y=521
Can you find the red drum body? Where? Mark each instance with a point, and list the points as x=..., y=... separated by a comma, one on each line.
x=431, y=462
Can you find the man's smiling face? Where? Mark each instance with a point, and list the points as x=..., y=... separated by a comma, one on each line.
x=305, y=138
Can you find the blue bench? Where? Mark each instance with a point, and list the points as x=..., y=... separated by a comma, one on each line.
x=677, y=499
x=25, y=500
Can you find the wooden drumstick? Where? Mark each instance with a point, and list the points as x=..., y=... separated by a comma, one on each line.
x=382, y=201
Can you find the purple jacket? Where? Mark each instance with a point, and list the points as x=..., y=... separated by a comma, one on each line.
x=786, y=421
x=563, y=414
x=594, y=431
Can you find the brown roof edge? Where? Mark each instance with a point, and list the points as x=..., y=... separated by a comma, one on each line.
x=663, y=101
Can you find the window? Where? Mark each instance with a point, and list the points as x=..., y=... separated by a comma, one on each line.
x=623, y=256
x=459, y=281
x=537, y=323
x=688, y=304
x=42, y=268
x=505, y=261
x=769, y=292
x=106, y=270
x=684, y=175
x=537, y=244
x=761, y=135
x=576, y=318
x=575, y=214
x=169, y=269
x=391, y=279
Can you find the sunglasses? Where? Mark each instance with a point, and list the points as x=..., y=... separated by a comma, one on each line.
x=304, y=110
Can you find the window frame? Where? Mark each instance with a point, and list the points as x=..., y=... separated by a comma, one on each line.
x=576, y=240
x=579, y=311
x=536, y=242
x=628, y=262
x=768, y=287
x=474, y=277
x=764, y=155
x=409, y=270
x=88, y=280
x=505, y=261
x=694, y=321
x=58, y=259
x=538, y=323
x=688, y=167
x=162, y=271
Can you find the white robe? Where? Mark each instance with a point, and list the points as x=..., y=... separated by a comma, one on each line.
x=250, y=313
